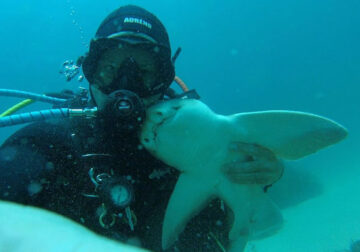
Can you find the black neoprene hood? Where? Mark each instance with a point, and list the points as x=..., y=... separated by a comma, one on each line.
x=132, y=18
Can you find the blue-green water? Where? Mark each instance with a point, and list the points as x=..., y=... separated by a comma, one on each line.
x=239, y=55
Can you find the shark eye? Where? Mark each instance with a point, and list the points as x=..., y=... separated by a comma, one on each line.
x=176, y=107
x=249, y=158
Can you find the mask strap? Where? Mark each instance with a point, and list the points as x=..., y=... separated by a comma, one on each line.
x=176, y=54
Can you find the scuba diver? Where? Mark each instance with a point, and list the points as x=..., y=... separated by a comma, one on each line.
x=93, y=168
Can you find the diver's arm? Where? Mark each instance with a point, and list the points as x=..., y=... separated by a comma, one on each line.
x=261, y=167
x=25, y=228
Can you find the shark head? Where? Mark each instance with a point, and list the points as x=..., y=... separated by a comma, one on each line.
x=181, y=128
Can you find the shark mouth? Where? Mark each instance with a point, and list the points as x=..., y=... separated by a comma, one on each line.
x=154, y=124
x=165, y=120
x=159, y=125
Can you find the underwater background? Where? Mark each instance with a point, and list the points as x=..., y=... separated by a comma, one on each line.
x=240, y=56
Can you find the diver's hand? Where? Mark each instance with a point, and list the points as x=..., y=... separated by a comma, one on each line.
x=255, y=165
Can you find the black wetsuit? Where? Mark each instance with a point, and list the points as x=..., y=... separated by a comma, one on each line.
x=48, y=165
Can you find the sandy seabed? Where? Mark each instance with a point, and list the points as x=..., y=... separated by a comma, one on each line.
x=327, y=223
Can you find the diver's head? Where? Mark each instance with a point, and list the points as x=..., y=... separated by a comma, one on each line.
x=131, y=51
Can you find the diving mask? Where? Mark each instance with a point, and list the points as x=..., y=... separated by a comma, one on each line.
x=142, y=67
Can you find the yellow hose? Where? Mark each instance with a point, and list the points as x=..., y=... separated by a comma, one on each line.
x=27, y=102
x=16, y=107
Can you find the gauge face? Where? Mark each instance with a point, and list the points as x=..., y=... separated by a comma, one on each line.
x=120, y=195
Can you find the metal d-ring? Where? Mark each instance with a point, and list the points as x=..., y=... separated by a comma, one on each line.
x=101, y=217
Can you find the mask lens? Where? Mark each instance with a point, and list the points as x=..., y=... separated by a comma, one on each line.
x=130, y=67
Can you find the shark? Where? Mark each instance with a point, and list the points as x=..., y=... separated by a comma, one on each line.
x=188, y=136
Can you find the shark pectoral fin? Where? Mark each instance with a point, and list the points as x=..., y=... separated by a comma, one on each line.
x=238, y=245
x=265, y=218
x=255, y=215
x=289, y=134
x=189, y=197
x=238, y=198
